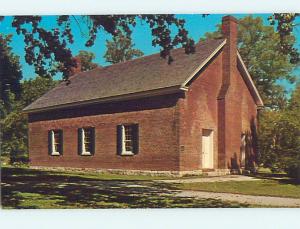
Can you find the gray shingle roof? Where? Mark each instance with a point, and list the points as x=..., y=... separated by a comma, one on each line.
x=139, y=75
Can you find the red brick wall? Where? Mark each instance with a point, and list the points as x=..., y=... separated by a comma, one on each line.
x=240, y=115
x=158, y=149
x=198, y=112
x=201, y=109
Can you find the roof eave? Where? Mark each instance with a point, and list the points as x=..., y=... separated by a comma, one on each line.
x=137, y=95
x=258, y=99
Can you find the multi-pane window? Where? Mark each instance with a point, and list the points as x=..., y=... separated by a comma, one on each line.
x=55, y=142
x=127, y=136
x=127, y=139
x=86, y=141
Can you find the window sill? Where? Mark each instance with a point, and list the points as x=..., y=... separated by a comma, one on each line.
x=55, y=154
x=86, y=154
x=127, y=154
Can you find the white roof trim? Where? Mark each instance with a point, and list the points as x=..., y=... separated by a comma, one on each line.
x=203, y=64
x=260, y=102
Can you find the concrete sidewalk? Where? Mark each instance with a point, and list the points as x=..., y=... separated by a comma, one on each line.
x=212, y=179
x=248, y=199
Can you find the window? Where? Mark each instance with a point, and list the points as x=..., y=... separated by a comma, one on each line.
x=55, y=142
x=86, y=141
x=127, y=139
x=243, y=150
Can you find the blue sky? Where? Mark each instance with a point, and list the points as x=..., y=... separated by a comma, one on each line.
x=195, y=24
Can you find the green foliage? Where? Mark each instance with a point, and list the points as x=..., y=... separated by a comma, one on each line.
x=285, y=26
x=121, y=49
x=279, y=137
x=260, y=48
x=48, y=50
x=10, y=73
x=279, y=140
x=14, y=122
x=34, y=88
x=86, y=60
x=14, y=137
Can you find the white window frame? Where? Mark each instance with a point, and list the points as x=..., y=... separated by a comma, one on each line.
x=83, y=152
x=54, y=153
x=124, y=151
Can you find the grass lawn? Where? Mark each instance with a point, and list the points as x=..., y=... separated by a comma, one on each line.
x=28, y=188
x=268, y=187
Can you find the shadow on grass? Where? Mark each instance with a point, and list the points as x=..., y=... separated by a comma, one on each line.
x=28, y=188
x=280, y=177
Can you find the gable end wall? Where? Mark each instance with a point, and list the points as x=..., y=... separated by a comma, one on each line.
x=240, y=118
x=198, y=112
x=201, y=110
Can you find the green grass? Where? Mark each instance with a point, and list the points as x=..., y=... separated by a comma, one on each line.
x=35, y=200
x=269, y=187
x=38, y=201
x=28, y=188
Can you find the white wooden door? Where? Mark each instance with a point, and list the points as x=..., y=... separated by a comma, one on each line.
x=207, y=149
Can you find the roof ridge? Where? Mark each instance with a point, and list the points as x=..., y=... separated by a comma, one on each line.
x=153, y=54
x=157, y=53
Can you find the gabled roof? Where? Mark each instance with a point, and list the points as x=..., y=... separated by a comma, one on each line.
x=145, y=75
x=142, y=77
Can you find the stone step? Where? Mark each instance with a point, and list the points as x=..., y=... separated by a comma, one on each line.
x=216, y=172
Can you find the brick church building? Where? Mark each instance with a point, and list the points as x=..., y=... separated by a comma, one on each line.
x=197, y=114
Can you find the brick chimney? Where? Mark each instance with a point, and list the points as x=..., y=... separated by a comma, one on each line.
x=229, y=59
x=229, y=30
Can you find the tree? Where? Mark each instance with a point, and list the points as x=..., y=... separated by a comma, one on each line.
x=121, y=49
x=285, y=26
x=46, y=49
x=260, y=48
x=279, y=138
x=14, y=133
x=86, y=60
x=10, y=73
x=34, y=88
x=14, y=124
